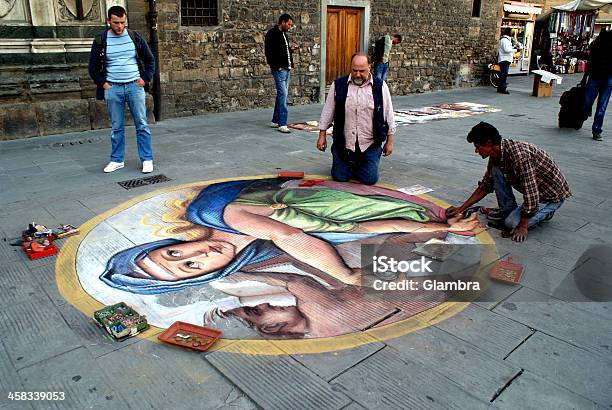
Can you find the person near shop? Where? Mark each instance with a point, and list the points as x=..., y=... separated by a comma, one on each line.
x=279, y=56
x=505, y=52
x=522, y=166
x=598, y=80
x=359, y=106
x=122, y=64
x=382, y=50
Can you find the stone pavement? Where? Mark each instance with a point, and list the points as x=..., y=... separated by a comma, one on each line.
x=537, y=345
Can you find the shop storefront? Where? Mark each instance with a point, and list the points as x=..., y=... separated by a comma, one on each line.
x=521, y=17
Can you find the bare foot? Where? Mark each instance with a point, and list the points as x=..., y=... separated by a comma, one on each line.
x=459, y=218
x=466, y=224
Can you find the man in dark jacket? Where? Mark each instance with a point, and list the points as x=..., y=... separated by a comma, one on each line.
x=121, y=64
x=279, y=57
x=599, y=75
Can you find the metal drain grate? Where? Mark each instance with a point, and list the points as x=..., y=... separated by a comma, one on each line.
x=76, y=142
x=135, y=183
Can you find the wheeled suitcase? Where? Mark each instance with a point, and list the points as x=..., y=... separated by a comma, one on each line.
x=572, y=113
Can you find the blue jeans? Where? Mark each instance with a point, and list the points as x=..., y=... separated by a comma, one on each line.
x=380, y=71
x=503, y=75
x=134, y=95
x=281, y=79
x=508, y=206
x=362, y=166
x=603, y=88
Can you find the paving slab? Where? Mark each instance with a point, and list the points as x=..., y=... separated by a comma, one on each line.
x=273, y=380
x=486, y=330
x=16, y=284
x=579, y=327
x=9, y=380
x=71, y=211
x=85, y=387
x=575, y=369
x=543, y=278
x=329, y=365
x=469, y=367
x=386, y=381
x=150, y=374
x=8, y=253
x=33, y=331
x=529, y=391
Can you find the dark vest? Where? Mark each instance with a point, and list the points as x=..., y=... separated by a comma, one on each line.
x=380, y=127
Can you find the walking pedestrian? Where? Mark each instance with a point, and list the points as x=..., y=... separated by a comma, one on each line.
x=505, y=52
x=599, y=84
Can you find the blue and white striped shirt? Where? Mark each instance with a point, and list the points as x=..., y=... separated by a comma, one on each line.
x=121, y=65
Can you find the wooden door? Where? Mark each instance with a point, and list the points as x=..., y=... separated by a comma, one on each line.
x=343, y=40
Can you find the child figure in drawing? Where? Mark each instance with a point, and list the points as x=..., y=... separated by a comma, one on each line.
x=251, y=221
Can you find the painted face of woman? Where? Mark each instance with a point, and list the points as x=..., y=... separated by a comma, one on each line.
x=188, y=260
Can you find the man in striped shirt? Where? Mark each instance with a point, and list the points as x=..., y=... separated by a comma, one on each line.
x=121, y=64
x=524, y=167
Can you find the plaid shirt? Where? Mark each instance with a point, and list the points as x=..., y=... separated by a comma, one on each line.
x=532, y=172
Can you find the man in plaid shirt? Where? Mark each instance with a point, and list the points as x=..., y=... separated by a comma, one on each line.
x=522, y=166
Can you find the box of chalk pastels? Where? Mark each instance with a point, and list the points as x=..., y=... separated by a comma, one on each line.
x=120, y=321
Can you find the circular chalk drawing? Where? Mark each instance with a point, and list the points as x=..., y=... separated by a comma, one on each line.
x=261, y=258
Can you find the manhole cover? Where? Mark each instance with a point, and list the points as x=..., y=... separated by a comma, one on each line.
x=135, y=183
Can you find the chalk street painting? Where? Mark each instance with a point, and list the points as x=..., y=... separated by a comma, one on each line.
x=260, y=257
x=420, y=115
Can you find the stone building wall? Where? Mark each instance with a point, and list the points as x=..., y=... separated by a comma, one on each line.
x=443, y=45
x=44, y=84
x=223, y=68
x=45, y=88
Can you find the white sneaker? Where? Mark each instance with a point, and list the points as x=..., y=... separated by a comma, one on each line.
x=113, y=166
x=273, y=125
x=147, y=166
x=284, y=129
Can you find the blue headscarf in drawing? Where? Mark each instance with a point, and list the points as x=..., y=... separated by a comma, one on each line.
x=122, y=271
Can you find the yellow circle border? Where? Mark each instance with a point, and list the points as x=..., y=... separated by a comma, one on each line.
x=69, y=287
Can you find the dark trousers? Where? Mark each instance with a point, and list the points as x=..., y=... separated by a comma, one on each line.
x=503, y=75
x=360, y=165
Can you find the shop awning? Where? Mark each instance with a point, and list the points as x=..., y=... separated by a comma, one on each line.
x=585, y=5
x=525, y=8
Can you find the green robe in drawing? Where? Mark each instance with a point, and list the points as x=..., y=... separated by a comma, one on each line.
x=330, y=210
